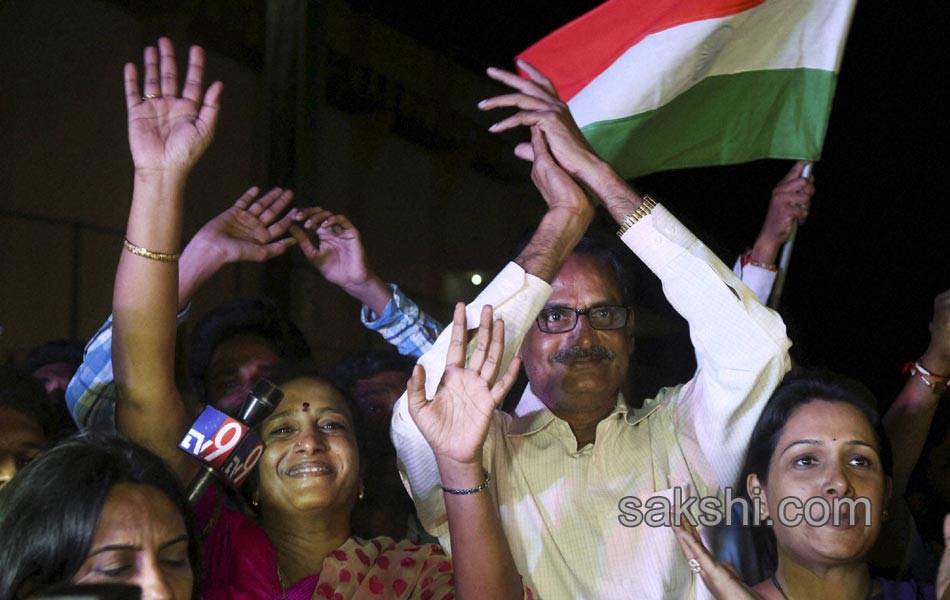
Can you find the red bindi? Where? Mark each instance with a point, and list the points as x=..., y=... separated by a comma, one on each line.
x=306, y=406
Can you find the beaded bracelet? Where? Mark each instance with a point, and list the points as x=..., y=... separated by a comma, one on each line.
x=474, y=490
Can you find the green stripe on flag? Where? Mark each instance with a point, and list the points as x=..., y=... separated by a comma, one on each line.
x=725, y=119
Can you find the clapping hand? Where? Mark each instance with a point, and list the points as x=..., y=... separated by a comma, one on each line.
x=168, y=132
x=456, y=421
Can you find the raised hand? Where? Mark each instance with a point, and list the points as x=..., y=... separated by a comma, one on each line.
x=719, y=577
x=541, y=107
x=791, y=199
x=339, y=257
x=168, y=132
x=249, y=229
x=455, y=422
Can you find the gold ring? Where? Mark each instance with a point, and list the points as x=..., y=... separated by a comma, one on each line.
x=150, y=97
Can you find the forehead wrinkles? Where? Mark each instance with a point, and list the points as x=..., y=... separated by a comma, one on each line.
x=585, y=278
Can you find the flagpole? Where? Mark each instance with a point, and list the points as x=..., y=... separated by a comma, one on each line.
x=776, y=296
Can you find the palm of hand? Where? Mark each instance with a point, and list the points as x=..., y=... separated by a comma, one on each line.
x=238, y=234
x=340, y=258
x=456, y=421
x=166, y=133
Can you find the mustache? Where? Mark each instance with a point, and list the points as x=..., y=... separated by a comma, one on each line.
x=576, y=353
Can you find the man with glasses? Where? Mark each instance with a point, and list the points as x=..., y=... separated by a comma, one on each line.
x=573, y=455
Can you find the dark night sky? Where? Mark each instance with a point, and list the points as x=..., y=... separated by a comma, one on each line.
x=874, y=252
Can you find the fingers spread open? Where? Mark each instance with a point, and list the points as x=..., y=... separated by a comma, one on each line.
x=456, y=353
x=168, y=68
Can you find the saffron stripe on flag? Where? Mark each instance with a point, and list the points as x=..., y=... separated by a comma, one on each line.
x=576, y=53
x=780, y=34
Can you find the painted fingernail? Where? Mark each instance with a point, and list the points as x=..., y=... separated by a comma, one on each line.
x=483, y=102
x=493, y=127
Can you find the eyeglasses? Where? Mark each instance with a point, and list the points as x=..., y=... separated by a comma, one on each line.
x=563, y=319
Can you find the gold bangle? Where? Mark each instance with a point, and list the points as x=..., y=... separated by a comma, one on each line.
x=645, y=208
x=146, y=253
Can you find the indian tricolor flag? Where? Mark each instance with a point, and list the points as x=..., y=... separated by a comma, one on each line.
x=668, y=84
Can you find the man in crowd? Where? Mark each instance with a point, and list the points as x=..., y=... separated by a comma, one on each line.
x=573, y=450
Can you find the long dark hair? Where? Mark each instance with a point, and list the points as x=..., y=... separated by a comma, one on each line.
x=50, y=511
x=796, y=390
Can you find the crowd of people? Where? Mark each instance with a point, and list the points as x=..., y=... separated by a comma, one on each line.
x=418, y=473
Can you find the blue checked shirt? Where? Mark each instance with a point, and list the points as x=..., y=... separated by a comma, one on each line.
x=91, y=394
x=403, y=324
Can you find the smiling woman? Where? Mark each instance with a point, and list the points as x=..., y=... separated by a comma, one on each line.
x=309, y=473
x=96, y=510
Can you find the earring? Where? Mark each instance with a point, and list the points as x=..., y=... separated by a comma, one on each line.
x=362, y=492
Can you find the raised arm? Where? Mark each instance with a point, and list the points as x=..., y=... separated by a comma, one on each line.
x=517, y=294
x=168, y=133
x=339, y=256
x=455, y=424
x=908, y=420
x=247, y=231
x=741, y=346
x=790, y=201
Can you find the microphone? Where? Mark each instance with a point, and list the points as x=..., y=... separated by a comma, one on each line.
x=229, y=447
